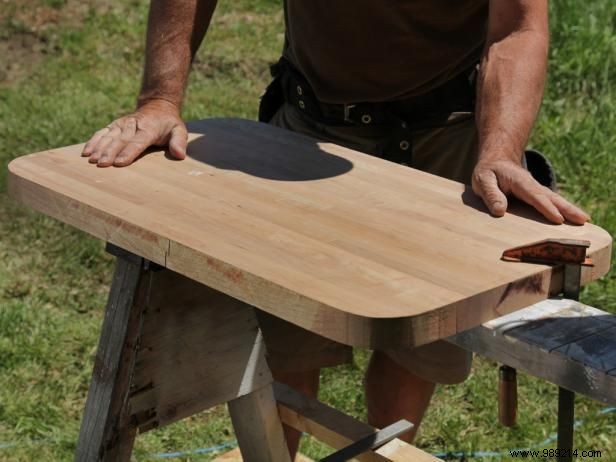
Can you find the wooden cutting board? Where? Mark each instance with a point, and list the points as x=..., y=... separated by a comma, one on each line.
x=358, y=249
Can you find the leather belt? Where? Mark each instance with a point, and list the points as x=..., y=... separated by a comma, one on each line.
x=457, y=94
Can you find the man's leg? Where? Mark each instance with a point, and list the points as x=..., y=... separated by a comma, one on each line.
x=400, y=383
x=295, y=356
x=394, y=393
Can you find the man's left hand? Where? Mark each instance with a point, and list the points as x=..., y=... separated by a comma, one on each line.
x=493, y=180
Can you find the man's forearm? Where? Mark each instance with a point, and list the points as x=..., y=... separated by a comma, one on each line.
x=509, y=92
x=511, y=82
x=175, y=31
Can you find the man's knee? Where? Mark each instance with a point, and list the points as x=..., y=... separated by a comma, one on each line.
x=438, y=362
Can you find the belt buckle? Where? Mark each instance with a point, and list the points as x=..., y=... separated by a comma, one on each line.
x=347, y=112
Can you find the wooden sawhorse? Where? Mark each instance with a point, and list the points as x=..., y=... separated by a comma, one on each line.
x=169, y=348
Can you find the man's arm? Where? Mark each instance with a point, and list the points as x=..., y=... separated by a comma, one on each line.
x=509, y=92
x=175, y=31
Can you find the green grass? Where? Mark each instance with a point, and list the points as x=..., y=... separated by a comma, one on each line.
x=53, y=279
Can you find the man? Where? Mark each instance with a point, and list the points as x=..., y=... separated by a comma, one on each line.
x=390, y=78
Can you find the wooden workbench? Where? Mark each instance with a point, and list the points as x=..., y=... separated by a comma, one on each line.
x=354, y=248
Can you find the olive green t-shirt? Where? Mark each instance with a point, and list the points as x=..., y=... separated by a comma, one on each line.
x=382, y=50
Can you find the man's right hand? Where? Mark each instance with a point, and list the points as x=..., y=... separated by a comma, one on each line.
x=155, y=123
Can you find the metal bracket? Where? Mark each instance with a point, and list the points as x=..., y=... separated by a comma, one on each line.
x=370, y=442
x=566, y=398
x=551, y=252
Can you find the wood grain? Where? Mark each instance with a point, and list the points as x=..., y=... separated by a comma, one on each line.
x=258, y=428
x=105, y=434
x=235, y=456
x=197, y=348
x=357, y=249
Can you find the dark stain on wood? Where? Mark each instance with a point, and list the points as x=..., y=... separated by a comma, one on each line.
x=115, y=222
x=531, y=285
x=233, y=274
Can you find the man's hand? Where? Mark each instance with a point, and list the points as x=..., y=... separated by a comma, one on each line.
x=493, y=180
x=175, y=31
x=156, y=123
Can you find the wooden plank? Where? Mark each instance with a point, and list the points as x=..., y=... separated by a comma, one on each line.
x=580, y=365
x=198, y=348
x=337, y=429
x=400, y=451
x=552, y=333
x=235, y=456
x=595, y=351
x=104, y=433
x=257, y=427
x=551, y=308
x=352, y=247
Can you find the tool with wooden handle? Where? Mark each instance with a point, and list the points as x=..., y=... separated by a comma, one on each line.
x=507, y=396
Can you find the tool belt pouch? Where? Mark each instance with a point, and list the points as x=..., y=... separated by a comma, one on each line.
x=290, y=86
x=273, y=96
x=540, y=168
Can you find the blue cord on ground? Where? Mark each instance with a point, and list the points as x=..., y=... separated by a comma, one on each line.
x=193, y=452
x=463, y=455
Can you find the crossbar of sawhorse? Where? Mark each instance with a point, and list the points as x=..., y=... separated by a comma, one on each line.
x=339, y=430
x=371, y=442
x=169, y=348
x=559, y=340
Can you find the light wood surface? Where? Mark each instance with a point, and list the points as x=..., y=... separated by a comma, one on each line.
x=235, y=456
x=355, y=248
x=562, y=341
x=258, y=427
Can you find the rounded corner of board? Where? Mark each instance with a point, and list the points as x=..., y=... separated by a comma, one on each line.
x=13, y=165
x=15, y=175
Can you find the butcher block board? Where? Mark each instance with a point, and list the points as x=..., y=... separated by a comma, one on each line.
x=355, y=248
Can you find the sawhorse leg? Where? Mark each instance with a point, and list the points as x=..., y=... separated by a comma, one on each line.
x=170, y=348
x=572, y=275
x=105, y=433
x=257, y=426
x=566, y=400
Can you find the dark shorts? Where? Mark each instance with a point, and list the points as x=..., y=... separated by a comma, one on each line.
x=449, y=150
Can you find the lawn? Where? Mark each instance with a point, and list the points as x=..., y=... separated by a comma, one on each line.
x=69, y=67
